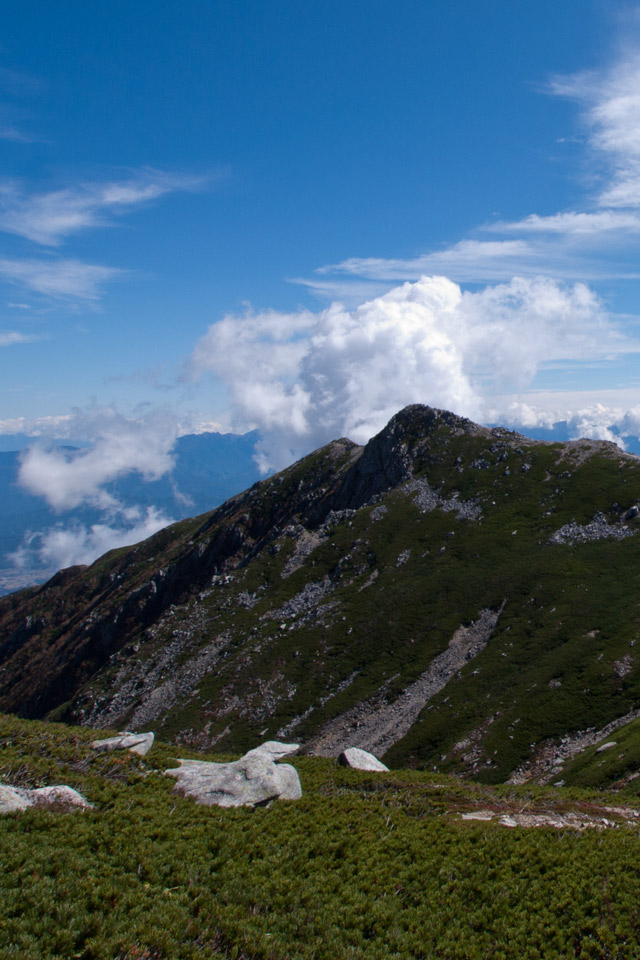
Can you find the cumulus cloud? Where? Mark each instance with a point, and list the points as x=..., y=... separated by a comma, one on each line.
x=48, y=218
x=305, y=378
x=69, y=478
x=611, y=421
x=61, y=546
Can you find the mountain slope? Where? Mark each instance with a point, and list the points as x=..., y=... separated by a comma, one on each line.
x=454, y=597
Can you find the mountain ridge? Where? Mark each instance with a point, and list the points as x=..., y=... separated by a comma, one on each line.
x=412, y=585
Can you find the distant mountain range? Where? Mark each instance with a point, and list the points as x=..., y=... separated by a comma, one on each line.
x=210, y=467
x=449, y=596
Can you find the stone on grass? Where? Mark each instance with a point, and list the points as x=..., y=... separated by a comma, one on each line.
x=253, y=780
x=20, y=798
x=58, y=796
x=273, y=750
x=359, y=759
x=12, y=798
x=139, y=743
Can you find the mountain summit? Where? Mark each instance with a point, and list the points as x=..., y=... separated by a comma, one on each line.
x=448, y=596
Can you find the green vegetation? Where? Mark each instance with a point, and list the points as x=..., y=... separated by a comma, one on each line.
x=364, y=866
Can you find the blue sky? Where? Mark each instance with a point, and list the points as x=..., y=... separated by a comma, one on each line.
x=302, y=216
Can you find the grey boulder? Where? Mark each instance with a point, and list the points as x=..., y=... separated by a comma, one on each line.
x=273, y=750
x=58, y=795
x=359, y=759
x=139, y=743
x=19, y=798
x=12, y=799
x=253, y=780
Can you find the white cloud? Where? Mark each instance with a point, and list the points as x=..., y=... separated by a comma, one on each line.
x=9, y=337
x=306, y=378
x=53, y=426
x=48, y=218
x=60, y=279
x=60, y=546
x=609, y=419
x=468, y=260
x=67, y=479
x=574, y=224
x=9, y=131
x=600, y=241
x=611, y=111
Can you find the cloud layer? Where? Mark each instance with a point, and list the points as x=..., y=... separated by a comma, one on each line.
x=305, y=378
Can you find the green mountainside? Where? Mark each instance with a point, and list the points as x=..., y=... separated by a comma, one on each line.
x=454, y=598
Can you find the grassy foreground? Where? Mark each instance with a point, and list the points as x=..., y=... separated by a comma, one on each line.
x=363, y=866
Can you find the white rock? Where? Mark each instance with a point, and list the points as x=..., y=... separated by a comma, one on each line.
x=47, y=796
x=19, y=798
x=252, y=780
x=360, y=760
x=478, y=815
x=139, y=743
x=13, y=798
x=273, y=750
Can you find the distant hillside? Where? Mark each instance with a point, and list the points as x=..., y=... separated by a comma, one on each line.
x=210, y=467
x=452, y=597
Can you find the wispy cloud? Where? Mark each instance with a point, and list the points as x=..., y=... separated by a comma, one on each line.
x=574, y=224
x=9, y=337
x=60, y=279
x=15, y=85
x=600, y=240
x=483, y=261
x=610, y=100
x=12, y=132
x=49, y=218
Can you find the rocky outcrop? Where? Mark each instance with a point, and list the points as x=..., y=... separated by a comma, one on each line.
x=139, y=743
x=254, y=780
x=598, y=529
x=360, y=760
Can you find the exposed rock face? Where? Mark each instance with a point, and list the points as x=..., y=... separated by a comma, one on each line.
x=360, y=760
x=139, y=743
x=13, y=799
x=254, y=780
